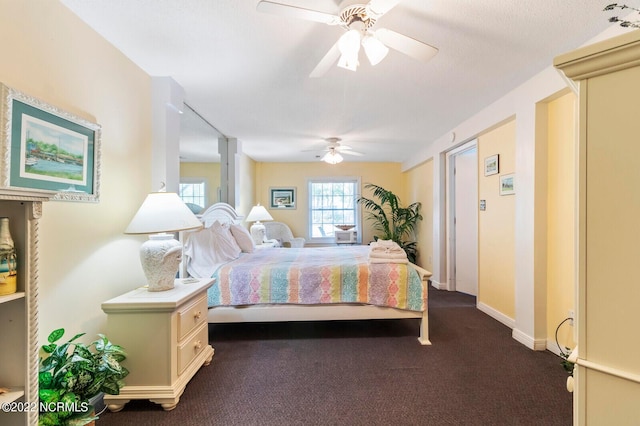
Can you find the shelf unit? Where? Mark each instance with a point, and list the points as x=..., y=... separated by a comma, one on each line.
x=19, y=311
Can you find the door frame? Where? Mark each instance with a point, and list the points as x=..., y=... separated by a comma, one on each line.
x=450, y=157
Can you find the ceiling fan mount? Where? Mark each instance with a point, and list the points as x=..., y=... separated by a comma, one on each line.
x=357, y=15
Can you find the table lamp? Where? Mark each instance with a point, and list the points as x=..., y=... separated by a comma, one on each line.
x=257, y=230
x=161, y=215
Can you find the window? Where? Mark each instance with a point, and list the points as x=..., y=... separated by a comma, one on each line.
x=332, y=202
x=194, y=191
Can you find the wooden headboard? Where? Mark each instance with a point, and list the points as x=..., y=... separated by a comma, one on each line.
x=222, y=212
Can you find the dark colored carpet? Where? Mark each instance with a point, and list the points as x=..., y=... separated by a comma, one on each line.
x=369, y=373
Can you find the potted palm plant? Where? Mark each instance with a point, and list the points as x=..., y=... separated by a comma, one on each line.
x=391, y=220
x=72, y=373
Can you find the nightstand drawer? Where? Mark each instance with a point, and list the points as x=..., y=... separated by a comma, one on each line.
x=188, y=350
x=191, y=316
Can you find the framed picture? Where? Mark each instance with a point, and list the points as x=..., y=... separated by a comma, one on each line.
x=507, y=186
x=491, y=165
x=47, y=150
x=282, y=198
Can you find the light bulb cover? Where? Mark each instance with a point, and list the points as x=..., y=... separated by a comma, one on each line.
x=375, y=50
x=332, y=157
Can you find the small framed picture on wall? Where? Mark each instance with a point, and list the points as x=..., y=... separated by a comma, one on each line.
x=507, y=184
x=491, y=165
x=282, y=198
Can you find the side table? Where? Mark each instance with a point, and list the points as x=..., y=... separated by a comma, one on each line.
x=165, y=336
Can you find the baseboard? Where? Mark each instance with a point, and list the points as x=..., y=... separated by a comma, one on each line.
x=528, y=341
x=438, y=285
x=499, y=316
x=552, y=346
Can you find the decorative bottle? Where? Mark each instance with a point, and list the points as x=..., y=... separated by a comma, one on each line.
x=8, y=260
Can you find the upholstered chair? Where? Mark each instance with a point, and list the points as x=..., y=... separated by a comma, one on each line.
x=281, y=232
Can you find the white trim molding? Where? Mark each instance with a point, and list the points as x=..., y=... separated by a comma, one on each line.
x=528, y=341
x=497, y=315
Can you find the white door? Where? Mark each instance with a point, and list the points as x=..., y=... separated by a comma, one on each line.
x=464, y=217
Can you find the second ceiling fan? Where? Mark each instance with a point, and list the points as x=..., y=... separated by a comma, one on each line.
x=358, y=21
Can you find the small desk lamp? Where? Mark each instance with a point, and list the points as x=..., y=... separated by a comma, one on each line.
x=257, y=214
x=162, y=214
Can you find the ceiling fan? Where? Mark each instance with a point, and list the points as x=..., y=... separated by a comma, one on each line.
x=358, y=21
x=334, y=150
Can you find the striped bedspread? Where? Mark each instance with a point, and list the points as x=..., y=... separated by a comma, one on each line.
x=315, y=276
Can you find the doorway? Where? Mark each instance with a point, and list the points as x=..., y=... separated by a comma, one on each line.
x=462, y=218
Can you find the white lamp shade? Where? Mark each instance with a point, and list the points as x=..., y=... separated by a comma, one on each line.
x=162, y=212
x=258, y=213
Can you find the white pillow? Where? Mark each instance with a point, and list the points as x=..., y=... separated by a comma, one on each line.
x=243, y=238
x=226, y=246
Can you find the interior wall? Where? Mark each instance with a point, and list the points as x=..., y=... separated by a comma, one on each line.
x=247, y=185
x=286, y=175
x=419, y=187
x=84, y=256
x=210, y=171
x=496, y=225
x=561, y=217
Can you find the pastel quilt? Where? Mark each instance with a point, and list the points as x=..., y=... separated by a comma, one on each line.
x=315, y=276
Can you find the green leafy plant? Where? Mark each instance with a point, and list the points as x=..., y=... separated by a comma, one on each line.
x=566, y=364
x=391, y=220
x=72, y=373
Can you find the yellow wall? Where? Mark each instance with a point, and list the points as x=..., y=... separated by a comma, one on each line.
x=210, y=171
x=496, y=225
x=561, y=211
x=387, y=175
x=84, y=257
x=419, y=187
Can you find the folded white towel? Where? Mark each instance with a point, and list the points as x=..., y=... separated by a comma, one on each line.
x=390, y=255
x=381, y=260
x=385, y=246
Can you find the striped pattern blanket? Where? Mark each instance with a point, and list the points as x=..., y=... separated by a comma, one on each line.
x=315, y=276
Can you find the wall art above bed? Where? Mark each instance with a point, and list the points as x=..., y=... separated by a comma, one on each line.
x=47, y=150
x=282, y=198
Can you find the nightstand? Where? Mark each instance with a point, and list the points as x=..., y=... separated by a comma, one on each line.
x=165, y=336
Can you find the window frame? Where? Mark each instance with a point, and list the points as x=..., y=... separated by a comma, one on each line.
x=196, y=180
x=357, y=214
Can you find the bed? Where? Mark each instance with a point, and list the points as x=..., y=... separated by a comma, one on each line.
x=302, y=284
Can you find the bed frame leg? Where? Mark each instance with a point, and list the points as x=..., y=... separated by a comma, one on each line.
x=424, y=329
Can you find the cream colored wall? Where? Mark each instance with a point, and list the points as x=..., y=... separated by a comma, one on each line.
x=210, y=171
x=419, y=187
x=268, y=175
x=561, y=215
x=496, y=225
x=84, y=257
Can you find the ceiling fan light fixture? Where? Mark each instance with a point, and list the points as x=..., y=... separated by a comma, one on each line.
x=374, y=49
x=332, y=157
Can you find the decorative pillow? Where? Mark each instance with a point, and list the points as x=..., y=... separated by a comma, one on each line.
x=243, y=238
x=226, y=246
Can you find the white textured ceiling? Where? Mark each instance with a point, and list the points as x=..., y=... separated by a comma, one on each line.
x=246, y=72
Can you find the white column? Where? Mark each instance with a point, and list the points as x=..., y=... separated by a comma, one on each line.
x=167, y=99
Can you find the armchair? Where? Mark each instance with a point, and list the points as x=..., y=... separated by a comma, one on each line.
x=281, y=232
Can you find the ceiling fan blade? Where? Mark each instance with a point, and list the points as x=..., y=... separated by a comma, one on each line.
x=407, y=45
x=377, y=8
x=349, y=152
x=297, y=12
x=327, y=62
